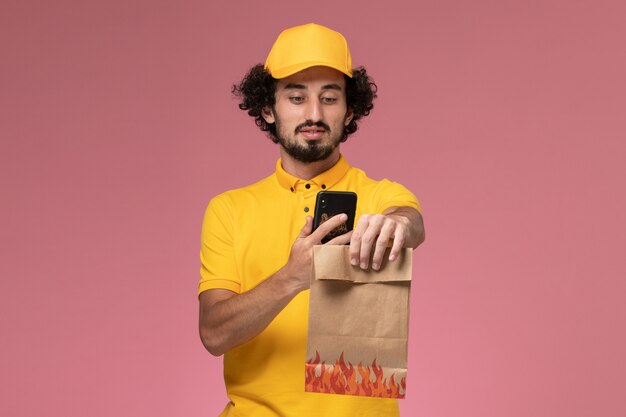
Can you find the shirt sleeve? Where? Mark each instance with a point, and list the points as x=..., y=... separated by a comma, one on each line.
x=392, y=194
x=217, y=255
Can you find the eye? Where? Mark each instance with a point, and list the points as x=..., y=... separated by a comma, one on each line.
x=328, y=100
x=296, y=99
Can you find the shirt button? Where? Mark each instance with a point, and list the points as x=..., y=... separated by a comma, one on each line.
x=307, y=186
x=306, y=209
x=323, y=186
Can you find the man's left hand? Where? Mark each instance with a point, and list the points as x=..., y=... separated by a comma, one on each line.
x=373, y=233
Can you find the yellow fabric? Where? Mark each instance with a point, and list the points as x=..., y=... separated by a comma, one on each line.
x=247, y=234
x=306, y=46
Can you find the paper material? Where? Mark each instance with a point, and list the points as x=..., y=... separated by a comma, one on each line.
x=358, y=325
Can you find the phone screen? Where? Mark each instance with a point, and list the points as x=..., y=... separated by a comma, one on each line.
x=331, y=203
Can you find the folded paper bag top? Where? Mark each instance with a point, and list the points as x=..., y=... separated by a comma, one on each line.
x=358, y=325
x=333, y=262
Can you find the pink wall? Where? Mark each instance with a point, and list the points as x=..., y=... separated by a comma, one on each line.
x=505, y=117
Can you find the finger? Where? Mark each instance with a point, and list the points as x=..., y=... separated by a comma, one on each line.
x=340, y=240
x=306, y=229
x=398, y=244
x=381, y=244
x=369, y=239
x=326, y=227
x=355, y=240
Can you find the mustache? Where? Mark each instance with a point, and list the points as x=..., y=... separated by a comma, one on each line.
x=310, y=123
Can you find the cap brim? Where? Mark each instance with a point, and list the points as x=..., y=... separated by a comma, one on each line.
x=287, y=71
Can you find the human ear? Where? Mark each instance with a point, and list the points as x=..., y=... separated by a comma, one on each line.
x=349, y=116
x=268, y=115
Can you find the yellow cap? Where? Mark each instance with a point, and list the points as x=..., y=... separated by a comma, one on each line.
x=306, y=46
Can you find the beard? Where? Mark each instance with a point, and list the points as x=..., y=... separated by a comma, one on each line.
x=312, y=151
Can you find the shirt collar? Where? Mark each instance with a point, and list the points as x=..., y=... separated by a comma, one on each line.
x=325, y=181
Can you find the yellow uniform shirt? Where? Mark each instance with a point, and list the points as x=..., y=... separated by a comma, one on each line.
x=247, y=234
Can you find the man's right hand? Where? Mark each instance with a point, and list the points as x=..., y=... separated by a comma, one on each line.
x=298, y=267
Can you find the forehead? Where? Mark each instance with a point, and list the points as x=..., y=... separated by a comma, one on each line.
x=314, y=77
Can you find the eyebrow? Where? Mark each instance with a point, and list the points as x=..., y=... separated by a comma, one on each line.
x=295, y=86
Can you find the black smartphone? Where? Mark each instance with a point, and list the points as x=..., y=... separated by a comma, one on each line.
x=331, y=203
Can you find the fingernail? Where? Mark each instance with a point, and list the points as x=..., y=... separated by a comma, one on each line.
x=363, y=265
x=375, y=266
x=354, y=262
x=392, y=257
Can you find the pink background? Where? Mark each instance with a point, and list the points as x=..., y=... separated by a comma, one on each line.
x=506, y=118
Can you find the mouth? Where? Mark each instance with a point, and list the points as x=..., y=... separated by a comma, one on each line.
x=312, y=132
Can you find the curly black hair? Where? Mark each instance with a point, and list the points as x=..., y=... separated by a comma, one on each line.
x=258, y=87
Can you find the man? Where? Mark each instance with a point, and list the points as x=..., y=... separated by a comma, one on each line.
x=257, y=241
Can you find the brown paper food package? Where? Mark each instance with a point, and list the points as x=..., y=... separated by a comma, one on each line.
x=358, y=325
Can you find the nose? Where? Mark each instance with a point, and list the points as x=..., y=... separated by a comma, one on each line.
x=314, y=110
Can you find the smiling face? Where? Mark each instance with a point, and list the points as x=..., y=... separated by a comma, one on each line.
x=310, y=113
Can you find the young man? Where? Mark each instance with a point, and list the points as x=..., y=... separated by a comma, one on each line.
x=257, y=241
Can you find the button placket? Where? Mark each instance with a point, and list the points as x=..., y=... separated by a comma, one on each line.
x=302, y=200
x=309, y=200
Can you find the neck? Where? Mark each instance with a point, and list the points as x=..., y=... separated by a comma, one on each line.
x=305, y=170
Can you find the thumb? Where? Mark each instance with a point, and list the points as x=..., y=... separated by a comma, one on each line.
x=307, y=228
